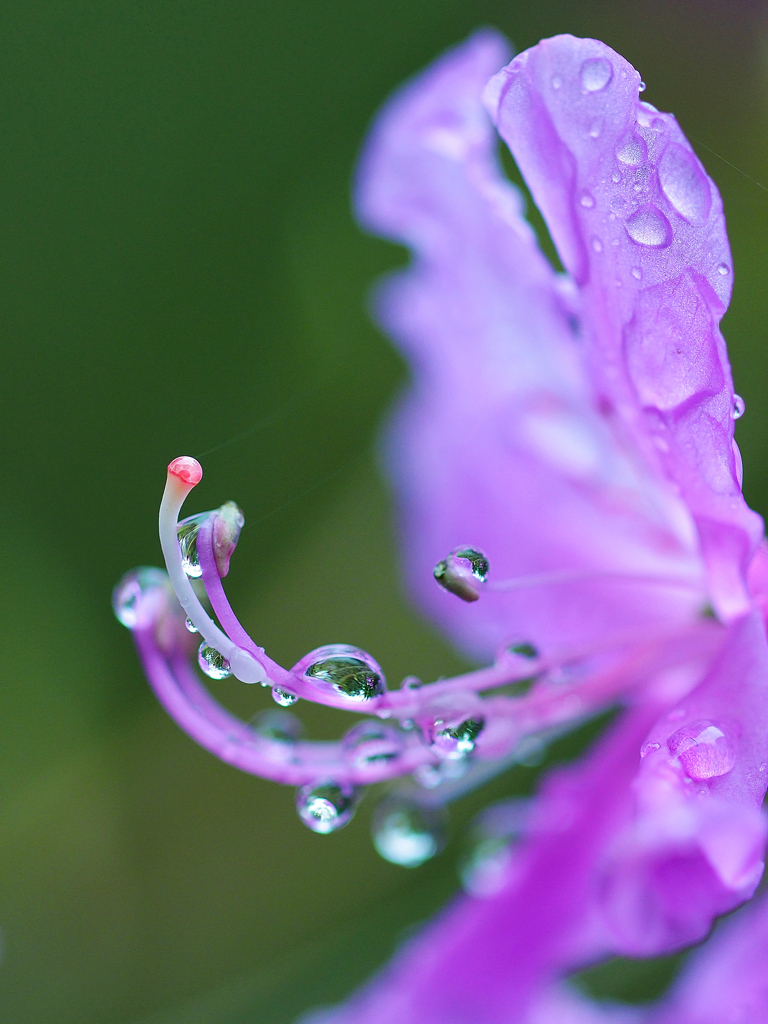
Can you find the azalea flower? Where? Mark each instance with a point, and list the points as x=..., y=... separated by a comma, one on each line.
x=571, y=512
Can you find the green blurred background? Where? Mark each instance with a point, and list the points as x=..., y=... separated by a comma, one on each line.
x=178, y=266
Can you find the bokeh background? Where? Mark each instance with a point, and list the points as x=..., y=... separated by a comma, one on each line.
x=180, y=273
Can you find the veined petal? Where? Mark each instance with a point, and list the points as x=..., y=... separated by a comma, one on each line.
x=640, y=226
x=501, y=442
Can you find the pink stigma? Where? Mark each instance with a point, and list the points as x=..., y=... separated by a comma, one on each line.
x=187, y=469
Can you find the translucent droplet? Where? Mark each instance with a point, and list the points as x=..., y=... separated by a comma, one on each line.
x=279, y=727
x=326, y=807
x=587, y=201
x=454, y=740
x=739, y=407
x=523, y=649
x=723, y=269
x=461, y=571
x=705, y=751
x=596, y=73
x=632, y=151
x=484, y=868
x=641, y=87
x=408, y=834
x=637, y=273
x=556, y=81
x=684, y=183
x=371, y=743
x=213, y=662
x=283, y=697
x=191, y=627
x=188, y=530
x=616, y=177
x=344, y=671
x=138, y=595
x=648, y=226
x=597, y=245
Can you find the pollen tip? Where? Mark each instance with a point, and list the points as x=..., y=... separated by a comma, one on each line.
x=187, y=470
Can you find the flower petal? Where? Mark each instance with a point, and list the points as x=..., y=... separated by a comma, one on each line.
x=501, y=442
x=640, y=226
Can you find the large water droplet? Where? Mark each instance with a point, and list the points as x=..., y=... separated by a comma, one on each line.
x=188, y=530
x=739, y=407
x=684, y=183
x=648, y=226
x=283, y=696
x=139, y=595
x=705, y=751
x=461, y=571
x=343, y=670
x=213, y=662
x=451, y=739
x=596, y=73
x=326, y=807
x=408, y=834
x=371, y=743
x=632, y=151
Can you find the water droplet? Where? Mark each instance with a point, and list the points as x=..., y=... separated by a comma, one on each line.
x=705, y=751
x=461, y=571
x=280, y=727
x=616, y=177
x=523, y=649
x=597, y=245
x=326, y=807
x=188, y=530
x=556, y=81
x=408, y=834
x=723, y=269
x=484, y=868
x=641, y=87
x=596, y=73
x=684, y=183
x=283, y=696
x=412, y=683
x=648, y=748
x=648, y=226
x=213, y=662
x=453, y=740
x=227, y=524
x=587, y=201
x=191, y=627
x=138, y=596
x=637, y=273
x=739, y=407
x=343, y=670
x=595, y=129
x=371, y=743
x=530, y=751
x=632, y=151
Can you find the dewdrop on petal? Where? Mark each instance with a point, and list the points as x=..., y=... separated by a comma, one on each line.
x=461, y=571
x=344, y=671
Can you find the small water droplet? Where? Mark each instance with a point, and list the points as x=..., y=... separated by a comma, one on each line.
x=632, y=151
x=723, y=269
x=343, y=670
x=451, y=740
x=191, y=627
x=739, y=407
x=461, y=571
x=648, y=748
x=684, y=183
x=187, y=531
x=597, y=245
x=587, y=201
x=648, y=226
x=556, y=81
x=523, y=649
x=213, y=662
x=326, y=807
x=279, y=727
x=637, y=273
x=371, y=743
x=283, y=696
x=596, y=73
x=412, y=683
x=616, y=177
x=641, y=87
x=136, y=597
x=705, y=751
x=595, y=129
x=406, y=833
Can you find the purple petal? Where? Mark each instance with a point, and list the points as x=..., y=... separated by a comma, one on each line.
x=502, y=443
x=640, y=227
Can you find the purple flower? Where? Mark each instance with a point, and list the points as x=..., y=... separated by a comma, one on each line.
x=565, y=464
